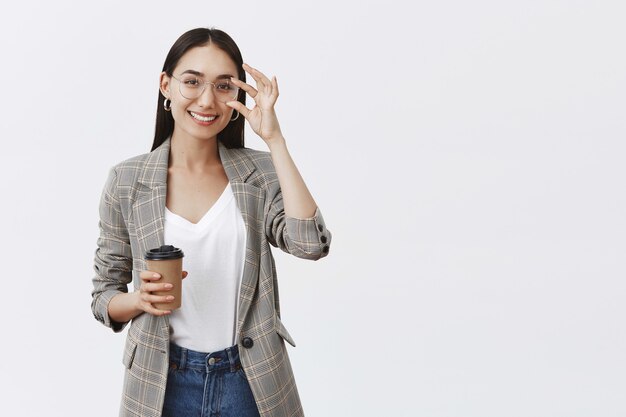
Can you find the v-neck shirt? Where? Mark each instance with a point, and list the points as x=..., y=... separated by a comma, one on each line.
x=214, y=250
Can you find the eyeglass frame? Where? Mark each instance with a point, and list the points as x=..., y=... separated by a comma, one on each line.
x=180, y=83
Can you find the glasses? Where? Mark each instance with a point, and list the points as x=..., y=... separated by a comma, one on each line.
x=191, y=87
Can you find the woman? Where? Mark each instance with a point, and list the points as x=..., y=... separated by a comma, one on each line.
x=199, y=189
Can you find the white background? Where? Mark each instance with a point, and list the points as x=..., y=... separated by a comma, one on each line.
x=467, y=156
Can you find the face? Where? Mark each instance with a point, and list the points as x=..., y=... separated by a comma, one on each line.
x=205, y=116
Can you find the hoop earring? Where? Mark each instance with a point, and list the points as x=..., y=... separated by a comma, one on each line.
x=236, y=117
x=165, y=106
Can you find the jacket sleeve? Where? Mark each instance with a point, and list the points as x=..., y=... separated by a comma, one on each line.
x=113, y=260
x=304, y=238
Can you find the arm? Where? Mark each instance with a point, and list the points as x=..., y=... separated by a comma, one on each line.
x=113, y=259
x=295, y=224
x=111, y=304
x=297, y=199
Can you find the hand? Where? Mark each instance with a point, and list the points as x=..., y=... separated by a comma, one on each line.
x=262, y=117
x=146, y=298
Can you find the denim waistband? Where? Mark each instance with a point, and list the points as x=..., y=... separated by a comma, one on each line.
x=184, y=358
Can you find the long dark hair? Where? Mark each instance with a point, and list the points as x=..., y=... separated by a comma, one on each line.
x=232, y=135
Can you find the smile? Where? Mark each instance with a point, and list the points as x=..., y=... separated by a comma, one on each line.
x=204, y=119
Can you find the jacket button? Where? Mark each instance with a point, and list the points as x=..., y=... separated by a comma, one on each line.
x=323, y=239
x=247, y=342
x=325, y=249
x=320, y=227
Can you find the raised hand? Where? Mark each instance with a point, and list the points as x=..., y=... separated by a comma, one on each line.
x=262, y=117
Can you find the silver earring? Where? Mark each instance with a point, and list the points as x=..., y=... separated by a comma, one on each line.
x=236, y=117
x=166, y=106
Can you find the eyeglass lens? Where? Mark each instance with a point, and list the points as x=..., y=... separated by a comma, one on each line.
x=191, y=87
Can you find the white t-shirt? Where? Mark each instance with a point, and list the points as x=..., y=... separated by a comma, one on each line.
x=214, y=251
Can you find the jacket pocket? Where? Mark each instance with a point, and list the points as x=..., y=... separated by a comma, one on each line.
x=129, y=352
x=282, y=332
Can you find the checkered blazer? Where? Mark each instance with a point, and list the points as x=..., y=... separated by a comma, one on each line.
x=131, y=222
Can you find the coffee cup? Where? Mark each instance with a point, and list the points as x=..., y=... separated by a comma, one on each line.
x=167, y=261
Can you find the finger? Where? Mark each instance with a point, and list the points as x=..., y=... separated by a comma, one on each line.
x=243, y=110
x=151, y=287
x=155, y=311
x=256, y=75
x=149, y=275
x=153, y=299
x=275, y=86
x=252, y=92
x=260, y=75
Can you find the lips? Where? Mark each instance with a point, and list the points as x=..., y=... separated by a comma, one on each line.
x=203, y=117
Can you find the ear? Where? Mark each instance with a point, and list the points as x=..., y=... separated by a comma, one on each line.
x=164, y=84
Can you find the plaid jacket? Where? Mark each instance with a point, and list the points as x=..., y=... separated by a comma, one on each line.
x=131, y=222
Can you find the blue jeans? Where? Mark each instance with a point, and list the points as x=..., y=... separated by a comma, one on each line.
x=207, y=385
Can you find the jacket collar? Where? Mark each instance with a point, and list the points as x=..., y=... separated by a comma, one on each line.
x=238, y=168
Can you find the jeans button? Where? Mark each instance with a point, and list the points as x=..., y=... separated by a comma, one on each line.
x=211, y=361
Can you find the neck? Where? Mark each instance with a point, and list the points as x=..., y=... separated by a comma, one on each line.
x=193, y=154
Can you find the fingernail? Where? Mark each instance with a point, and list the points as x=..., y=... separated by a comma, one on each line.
x=170, y=297
x=156, y=275
x=168, y=286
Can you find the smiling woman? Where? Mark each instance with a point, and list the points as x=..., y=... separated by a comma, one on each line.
x=199, y=189
x=190, y=61
x=194, y=107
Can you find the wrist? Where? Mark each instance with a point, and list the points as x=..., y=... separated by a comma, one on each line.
x=135, y=301
x=123, y=307
x=276, y=142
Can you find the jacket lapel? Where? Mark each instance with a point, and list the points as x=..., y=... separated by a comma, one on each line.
x=149, y=208
x=250, y=200
x=149, y=204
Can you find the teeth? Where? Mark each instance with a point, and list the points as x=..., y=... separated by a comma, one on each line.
x=202, y=118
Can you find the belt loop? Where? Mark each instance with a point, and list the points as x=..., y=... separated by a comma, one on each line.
x=232, y=358
x=183, y=358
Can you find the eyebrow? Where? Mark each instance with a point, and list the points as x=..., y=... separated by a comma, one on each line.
x=200, y=74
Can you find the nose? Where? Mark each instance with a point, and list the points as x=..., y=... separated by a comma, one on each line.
x=207, y=98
